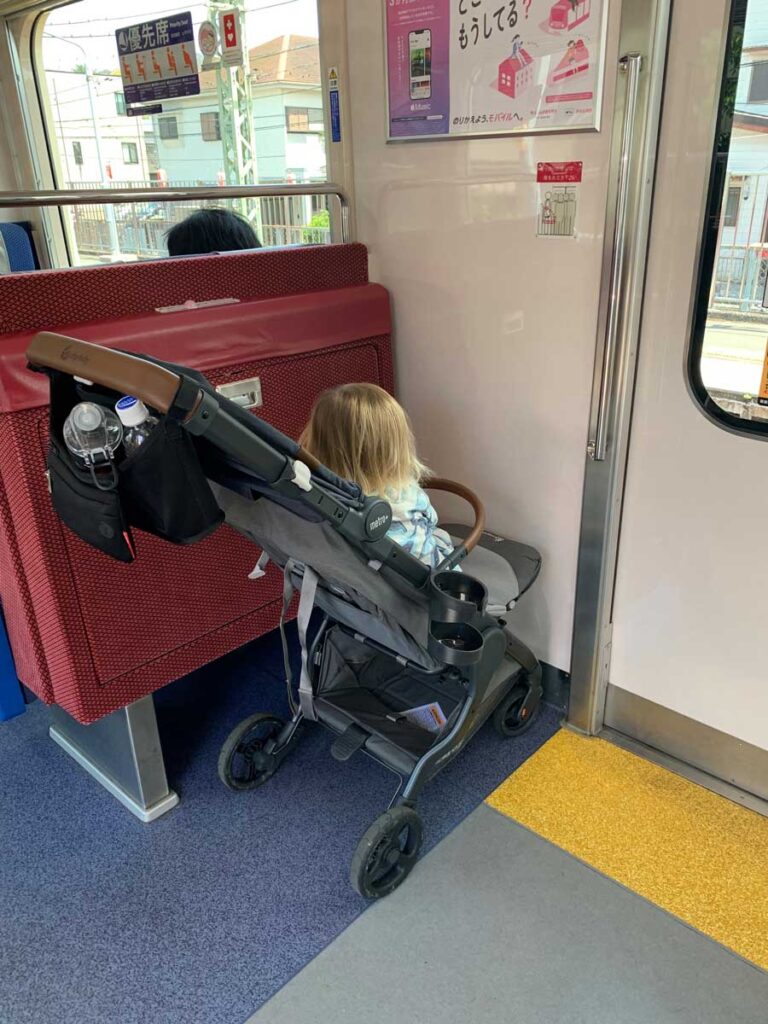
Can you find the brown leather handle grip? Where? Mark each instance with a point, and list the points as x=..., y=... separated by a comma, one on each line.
x=451, y=487
x=154, y=385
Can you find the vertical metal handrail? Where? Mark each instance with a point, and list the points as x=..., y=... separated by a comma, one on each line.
x=631, y=65
x=112, y=196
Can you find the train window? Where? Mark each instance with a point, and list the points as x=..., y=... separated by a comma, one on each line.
x=727, y=356
x=100, y=138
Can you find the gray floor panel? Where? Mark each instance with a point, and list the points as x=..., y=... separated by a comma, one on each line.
x=497, y=926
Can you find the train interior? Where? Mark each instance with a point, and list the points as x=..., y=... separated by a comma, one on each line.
x=283, y=741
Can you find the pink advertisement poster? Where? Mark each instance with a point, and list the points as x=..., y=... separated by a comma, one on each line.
x=485, y=67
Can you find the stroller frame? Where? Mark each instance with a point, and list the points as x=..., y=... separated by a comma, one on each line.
x=471, y=660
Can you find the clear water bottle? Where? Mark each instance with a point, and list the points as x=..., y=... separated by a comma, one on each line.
x=93, y=434
x=137, y=421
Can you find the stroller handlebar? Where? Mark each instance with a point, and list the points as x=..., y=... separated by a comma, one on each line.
x=155, y=385
x=451, y=487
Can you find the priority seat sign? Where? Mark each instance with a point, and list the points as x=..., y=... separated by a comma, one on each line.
x=158, y=59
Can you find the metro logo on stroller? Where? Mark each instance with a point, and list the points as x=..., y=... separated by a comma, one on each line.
x=394, y=636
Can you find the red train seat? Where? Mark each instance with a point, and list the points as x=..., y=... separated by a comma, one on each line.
x=92, y=635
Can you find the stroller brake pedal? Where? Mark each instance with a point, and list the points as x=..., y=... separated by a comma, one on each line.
x=350, y=740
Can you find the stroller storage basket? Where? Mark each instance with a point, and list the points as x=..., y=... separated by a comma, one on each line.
x=373, y=690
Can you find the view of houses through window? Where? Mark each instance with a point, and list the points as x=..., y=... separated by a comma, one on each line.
x=734, y=339
x=186, y=141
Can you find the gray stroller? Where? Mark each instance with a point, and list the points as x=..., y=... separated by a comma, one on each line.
x=399, y=661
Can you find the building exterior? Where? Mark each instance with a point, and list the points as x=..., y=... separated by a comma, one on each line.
x=88, y=115
x=742, y=266
x=287, y=116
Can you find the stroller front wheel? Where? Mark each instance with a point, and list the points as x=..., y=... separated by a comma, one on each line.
x=244, y=763
x=513, y=715
x=386, y=854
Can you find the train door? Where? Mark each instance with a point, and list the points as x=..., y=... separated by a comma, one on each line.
x=669, y=647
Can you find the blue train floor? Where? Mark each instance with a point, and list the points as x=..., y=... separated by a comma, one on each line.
x=202, y=916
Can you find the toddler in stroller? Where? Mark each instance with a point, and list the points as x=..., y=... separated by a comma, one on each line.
x=361, y=433
x=408, y=660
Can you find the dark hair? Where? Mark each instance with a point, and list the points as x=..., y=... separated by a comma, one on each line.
x=211, y=230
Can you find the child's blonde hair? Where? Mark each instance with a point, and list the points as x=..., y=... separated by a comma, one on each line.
x=361, y=433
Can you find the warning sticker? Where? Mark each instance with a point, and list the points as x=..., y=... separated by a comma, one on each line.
x=557, y=211
x=558, y=198
x=762, y=398
x=566, y=173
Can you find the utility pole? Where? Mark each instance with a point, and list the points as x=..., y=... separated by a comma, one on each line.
x=114, y=244
x=236, y=115
x=70, y=183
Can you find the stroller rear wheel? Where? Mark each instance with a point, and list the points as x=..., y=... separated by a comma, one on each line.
x=387, y=853
x=513, y=715
x=243, y=761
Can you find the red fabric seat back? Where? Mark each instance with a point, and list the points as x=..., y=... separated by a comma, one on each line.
x=93, y=635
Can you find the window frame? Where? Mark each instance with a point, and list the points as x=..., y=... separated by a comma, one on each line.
x=133, y=148
x=166, y=119
x=205, y=115
x=718, y=179
x=77, y=152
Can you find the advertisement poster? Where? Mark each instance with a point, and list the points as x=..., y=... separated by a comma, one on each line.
x=158, y=59
x=486, y=67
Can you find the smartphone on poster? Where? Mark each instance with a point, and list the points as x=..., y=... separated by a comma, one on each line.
x=420, y=55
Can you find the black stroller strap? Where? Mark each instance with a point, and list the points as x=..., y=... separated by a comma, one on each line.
x=185, y=400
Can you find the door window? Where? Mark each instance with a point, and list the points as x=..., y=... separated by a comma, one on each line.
x=728, y=361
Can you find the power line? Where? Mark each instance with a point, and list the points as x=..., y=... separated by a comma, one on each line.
x=154, y=14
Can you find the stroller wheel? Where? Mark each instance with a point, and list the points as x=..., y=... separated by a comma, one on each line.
x=387, y=852
x=243, y=764
x=510, y=717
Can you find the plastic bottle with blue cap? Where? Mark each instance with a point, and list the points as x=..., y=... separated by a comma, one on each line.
x=138, y=423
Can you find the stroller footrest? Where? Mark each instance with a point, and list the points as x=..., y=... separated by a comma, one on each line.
x=351, y=740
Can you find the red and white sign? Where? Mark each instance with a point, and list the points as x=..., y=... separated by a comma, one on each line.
x=231, y=37
x=568, y=172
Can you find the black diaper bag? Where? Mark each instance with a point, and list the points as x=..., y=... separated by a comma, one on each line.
x=159, y=488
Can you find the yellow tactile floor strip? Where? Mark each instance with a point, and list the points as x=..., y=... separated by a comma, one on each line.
x=691, y=852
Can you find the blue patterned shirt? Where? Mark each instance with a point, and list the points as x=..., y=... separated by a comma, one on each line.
x=414, y=525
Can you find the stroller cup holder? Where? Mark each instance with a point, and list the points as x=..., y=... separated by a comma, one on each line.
x=456, y=597
x=455, y=643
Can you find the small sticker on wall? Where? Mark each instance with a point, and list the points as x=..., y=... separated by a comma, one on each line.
x=762, y=398
x=558, y=198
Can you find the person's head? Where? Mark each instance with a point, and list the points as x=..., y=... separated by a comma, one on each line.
x=361, y=433
x=211, y=230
